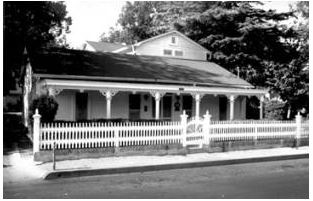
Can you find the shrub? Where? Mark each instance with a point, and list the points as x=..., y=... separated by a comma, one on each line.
x=47, y=108
x=275, y=110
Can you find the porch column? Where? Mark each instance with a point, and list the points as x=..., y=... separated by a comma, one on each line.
x=197, y=98
x=157, y=95
x=231, y=106
x=108, y=98
x=261, y=98
x=108, y=95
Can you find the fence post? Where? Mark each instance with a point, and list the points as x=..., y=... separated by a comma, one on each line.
x=36, y=131
x=116, y=137
x=255, y=137
x=206, y=128
x=183, y=118
x=298, y=129
x=53, y=156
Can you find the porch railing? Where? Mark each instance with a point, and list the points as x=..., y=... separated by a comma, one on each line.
x=125, y=134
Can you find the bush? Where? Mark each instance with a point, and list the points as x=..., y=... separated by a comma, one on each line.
x=47, y=108
x=275, y=110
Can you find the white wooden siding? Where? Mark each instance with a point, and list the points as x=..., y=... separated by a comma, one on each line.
x=66, y=109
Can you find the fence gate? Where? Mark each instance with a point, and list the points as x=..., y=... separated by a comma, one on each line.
x=194, y=133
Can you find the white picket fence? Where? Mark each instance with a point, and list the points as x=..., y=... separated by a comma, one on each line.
x=197, y=131
x=102, y=135
x=251, y=130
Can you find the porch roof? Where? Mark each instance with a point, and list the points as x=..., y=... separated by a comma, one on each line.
x=85, y=65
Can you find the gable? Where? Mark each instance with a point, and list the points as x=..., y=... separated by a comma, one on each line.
x=172, y=44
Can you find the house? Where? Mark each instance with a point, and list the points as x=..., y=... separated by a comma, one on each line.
x=156, y=78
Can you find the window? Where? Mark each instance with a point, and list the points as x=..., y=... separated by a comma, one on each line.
x=174, y=40
x=167, y=52
x=178, y=53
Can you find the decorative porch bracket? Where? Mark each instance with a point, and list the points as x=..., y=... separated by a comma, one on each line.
x=108, y=93
x=157, y=95
x=53, y=91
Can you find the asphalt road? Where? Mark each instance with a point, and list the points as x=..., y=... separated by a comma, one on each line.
x=279, y=179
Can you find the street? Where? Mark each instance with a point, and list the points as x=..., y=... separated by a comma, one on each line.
x=279, y=179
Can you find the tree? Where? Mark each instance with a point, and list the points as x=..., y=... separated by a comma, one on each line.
x=47, y=107
x=31, y=25
x=145, y=19
x=291, y=80
x=242, y=37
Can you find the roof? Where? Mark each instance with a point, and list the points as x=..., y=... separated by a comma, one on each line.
x=105, y=46
x=95, y=65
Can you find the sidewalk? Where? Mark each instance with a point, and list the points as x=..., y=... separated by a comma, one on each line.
x=111, y=165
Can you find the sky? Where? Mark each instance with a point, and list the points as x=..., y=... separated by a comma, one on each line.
x=90, y=19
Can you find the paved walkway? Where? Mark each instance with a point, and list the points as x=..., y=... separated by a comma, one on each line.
x=18, y=167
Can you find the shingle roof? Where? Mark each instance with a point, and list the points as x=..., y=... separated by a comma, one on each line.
x=110, y=65
x=105, y=46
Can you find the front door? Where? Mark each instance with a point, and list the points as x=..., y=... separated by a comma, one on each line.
x=167, y=107
x=134, y=106
x=81, y=106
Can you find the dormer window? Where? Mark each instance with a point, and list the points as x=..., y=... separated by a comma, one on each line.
x=174, y=40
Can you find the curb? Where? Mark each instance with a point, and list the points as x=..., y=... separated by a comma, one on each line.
x=107, y=171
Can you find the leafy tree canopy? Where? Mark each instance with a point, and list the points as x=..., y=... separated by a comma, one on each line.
x=31, y=25
x=144, y=19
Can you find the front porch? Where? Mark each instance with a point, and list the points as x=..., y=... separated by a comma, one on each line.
x=82, y=100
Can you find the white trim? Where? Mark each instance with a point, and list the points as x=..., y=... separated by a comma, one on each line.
x=96, y=85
